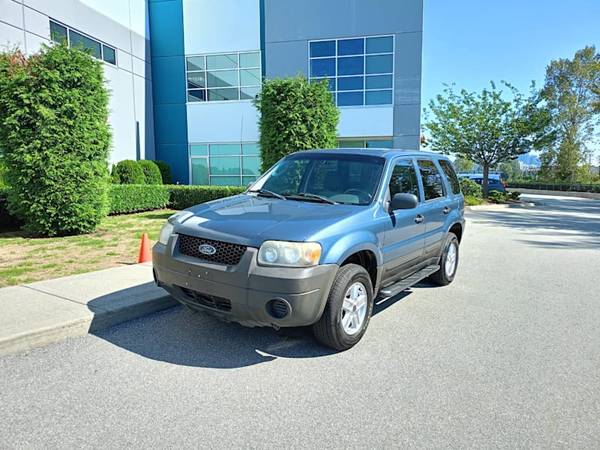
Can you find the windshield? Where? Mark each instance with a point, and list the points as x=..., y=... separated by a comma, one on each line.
x=335, y=178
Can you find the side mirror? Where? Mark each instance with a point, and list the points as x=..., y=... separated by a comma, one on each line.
x=403, y=201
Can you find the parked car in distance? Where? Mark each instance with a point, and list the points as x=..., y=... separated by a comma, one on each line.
x=316, y=239
x=495, y=182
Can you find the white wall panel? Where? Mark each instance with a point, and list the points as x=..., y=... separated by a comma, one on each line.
x=222, y=122
x=366, y=121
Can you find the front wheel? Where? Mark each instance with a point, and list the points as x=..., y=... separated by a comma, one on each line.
x=348, y=309
x=448, y=262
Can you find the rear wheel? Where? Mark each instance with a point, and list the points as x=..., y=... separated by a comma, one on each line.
x=448, y=262
x=348, y=309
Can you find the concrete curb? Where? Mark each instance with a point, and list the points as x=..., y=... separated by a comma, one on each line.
x=496, y=206
x=46, y=312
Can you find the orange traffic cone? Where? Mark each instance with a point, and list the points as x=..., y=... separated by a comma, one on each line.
x=145, y=254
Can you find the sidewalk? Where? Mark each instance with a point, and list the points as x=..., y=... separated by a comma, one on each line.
x=38, y=314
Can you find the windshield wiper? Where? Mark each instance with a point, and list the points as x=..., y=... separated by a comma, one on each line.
x=319, y=198
x=267, y=193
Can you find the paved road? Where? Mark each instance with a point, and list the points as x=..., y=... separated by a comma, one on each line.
x=507, y=356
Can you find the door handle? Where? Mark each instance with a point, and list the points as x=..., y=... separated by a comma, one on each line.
x=419, y=218
x=447, y=210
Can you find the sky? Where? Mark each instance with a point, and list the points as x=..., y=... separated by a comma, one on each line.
x=470, y=42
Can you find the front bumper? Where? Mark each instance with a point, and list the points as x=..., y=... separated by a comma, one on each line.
x=242, y=293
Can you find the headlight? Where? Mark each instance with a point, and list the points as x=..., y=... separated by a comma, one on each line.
x=165, y=233
x=290, y=254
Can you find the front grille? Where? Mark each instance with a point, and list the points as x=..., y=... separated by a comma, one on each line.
x=210, y=301
x=226, y=253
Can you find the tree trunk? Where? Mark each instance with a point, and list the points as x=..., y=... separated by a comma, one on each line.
x=485, y=184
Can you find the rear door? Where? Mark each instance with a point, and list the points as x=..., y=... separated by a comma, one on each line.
x=436, y=207
x=404, y=231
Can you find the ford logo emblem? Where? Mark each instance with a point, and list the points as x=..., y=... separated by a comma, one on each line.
x=207, y=249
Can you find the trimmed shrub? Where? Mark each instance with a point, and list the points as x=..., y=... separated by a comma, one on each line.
x=470, y=188
x=151, y=172
x=2, y=174
x=54, y=139
x=128, y=172
x=186, y=196
x=295, y=115
x=129, y=198
x=165, y=172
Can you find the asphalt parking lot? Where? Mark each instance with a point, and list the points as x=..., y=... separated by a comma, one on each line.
x=506, y=356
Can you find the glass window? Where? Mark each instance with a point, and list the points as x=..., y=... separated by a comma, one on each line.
x=381, y=143
x=109, y=54
x=85, y=43
x=322, y=48
x=345, y=62
x=222, y=78
x=248, y=93
x=196, y=80
x=195, y=63
x=351, y=46
x=342, y=143
x=251, y=165
x=58, y=33
x=199, y=150
x=379, y=82
x=433, y=186
x=350, y=98
x=223, y=94
x=350, y=83
x=380, y=64
x=248, y=180
x=322, y=67
x=378, y=97
x=200, y=171
x=225, y=181
x=197, y=95
x=451, y=175
x=225, y=165
x=352, y=65
x=249, y=77
x=224, y=149
x=384, y=44
x=250, y=149
x=250, y=59
x=349, y=179
x=404, y=179
x=227, y=61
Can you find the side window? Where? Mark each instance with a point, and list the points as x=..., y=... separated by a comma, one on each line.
x=433, y=186
x=451, y=175
x=404, y=179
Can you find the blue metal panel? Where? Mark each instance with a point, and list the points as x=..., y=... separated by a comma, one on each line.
x=168, y=74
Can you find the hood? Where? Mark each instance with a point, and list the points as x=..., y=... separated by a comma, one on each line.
x=250, y=220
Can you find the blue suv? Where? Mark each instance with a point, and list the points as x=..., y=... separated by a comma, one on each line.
x=316, y=239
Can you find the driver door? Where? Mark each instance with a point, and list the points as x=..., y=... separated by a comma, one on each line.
x=404, y=235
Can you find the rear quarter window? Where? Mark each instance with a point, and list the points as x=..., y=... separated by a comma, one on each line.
x=451, y=175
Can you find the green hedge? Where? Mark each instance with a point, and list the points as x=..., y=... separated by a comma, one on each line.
x=185, y=196
x=129, y=198
x=165, y=172
x=565, y=187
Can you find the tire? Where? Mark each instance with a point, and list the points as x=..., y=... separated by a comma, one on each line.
x=338, y=328
x=446, y=274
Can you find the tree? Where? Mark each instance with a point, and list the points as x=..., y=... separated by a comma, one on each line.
x=569, y=94
x=463, y=165
x=54, y=139
x=295, y=115
x=485, y=127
